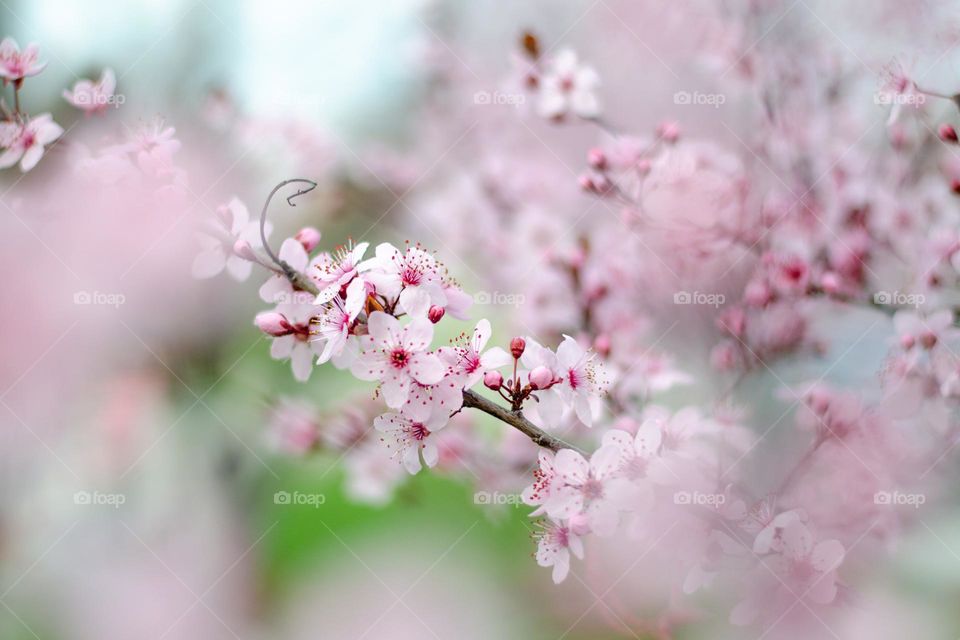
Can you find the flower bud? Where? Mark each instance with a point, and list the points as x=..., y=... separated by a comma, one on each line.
x=435, y=314
x=830, y=282
x=597, y=159
x=955, y=186
x=273, y=324
x=928, y=339
x=669, y=131
x=947, y=133
x=309, y=238
x=541, y=378
x=602, y=345
x=243, y=249
x=225, y=215
x=517, y=345
x=907, y=341
x=493, y=380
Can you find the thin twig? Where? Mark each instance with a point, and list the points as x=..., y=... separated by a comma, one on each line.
x=295, y=277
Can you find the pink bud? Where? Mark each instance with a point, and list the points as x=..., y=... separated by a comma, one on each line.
x=955, y=186
x=597, y=159
x=602, y=345
x=435, y=314
x=493, y=380
x=225, y=215
x=907, y=341
x=757, y=294
x=244, y=249
x=947, y=133
x=643, y=166
x=517, y=345
x=586, y=183
x=273, y=324
x=928, y=339
x=669, y=131
x=541, y=378
x=309, y=238
x=830, y=282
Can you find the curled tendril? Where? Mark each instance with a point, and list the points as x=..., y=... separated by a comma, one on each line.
x=287, y=270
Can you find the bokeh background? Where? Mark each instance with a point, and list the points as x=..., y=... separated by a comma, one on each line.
x=162, y=401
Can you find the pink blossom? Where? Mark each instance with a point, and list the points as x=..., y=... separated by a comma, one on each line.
x=93, y=97
x=411, y=438
x=299, y=345
x=555, y=543
x=15, y=65
x=470, y=360
x=397, y=356
x=24, y=143
x=568, y=86
x=413, y=277
x=587, y=488
x=219, y=242
x=334, y=322
x=335, y=274
x=584, y=380
x=292, y=427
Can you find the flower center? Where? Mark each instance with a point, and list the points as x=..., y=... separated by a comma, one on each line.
x=418, y=431
x=592, y=489
x=411, y=276
x=575, y=378
x=399, y=358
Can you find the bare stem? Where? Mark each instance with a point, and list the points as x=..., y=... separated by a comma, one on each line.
x=295, y=277
x=516, y=420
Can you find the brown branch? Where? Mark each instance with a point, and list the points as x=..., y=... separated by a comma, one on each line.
x=515, y=419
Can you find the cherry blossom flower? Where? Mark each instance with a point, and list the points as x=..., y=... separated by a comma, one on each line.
x=93, y=97
x=292, y=427
x=15, y=65
x=24, y=143
x=219, y=245
x=584, y=380
x=915, y=330
x=334, y=322
x=411, y=438
x=640, y=453
x=154, y=145
x=339, y=271
x=397, y=356
x=586, y=488
x=555, y=543
x=470, y=360
x=295, y=341
x=277, y=288
x=426, y=400
x=568, y=86
x=537, y=493
x=413, y=277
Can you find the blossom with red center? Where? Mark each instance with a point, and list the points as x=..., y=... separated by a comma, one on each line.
x=469, y=358
x=584, y=380
x=24, y=143
x=555, y=542
x=334, y=274
x=568, y=86
x=397, y=356
x=411, y=438
x=334, y=323
x=15, y=65
x=413, y=278
x=591, y=489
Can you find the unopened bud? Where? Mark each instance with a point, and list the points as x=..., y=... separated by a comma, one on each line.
x=955, y=186
x=830, y=282
x=273, y=324
x=669, y=131
x=928, y=339
x=244, y=249
x=309, y=238
x=541, y=378
x=602, y=345
x=597, y=159
x=435, y=314
x=907, y=341
x=225, y=215
x=517, y=345
x=947, y=133
x=493, y=380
